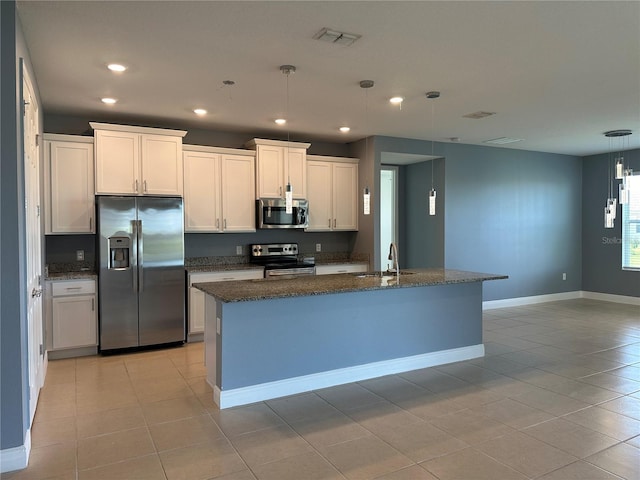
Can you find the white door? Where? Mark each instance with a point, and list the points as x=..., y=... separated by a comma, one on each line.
x=33, y=241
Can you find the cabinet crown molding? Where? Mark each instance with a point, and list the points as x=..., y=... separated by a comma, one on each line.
x=325, y=158
x=58, y=137
x=132, y=129
x=275, y=143
x=221, y=150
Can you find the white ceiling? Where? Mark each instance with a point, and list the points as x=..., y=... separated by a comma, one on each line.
x=557, y=74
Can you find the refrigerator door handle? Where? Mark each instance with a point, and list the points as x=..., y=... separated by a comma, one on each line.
x=140, y=257
x=134, y=228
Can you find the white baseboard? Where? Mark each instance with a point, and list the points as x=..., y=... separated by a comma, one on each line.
x=520, y=301
x=16, y=458
x=306, y=383
x=609, y=297
x=554, y=297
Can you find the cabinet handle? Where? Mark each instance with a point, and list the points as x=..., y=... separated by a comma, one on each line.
x=93, y=304
x=144, y=186
x=90, y=224
x=136, y=186
x=334, y=223
x=73, y=288
x=329, y=223
x=280, y=191
x=225, y=223
x=218, y=223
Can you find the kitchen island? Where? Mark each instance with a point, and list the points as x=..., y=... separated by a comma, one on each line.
x=270, y=338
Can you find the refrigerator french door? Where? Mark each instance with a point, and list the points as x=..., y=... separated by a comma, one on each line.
x=141, y=271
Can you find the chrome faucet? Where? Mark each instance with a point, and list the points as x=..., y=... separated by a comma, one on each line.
x=393, y=256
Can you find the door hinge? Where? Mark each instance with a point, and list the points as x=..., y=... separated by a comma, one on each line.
x=24, y=107
x=37, y=139
x=41, y=349
x=38, y=210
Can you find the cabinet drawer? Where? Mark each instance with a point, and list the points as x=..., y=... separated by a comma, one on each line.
x=73, y=287
x=341, y=268
x=225, y=276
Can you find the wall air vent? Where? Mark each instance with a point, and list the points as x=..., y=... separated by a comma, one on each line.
x=477, y=115
x=503, y=141
x=339, y=38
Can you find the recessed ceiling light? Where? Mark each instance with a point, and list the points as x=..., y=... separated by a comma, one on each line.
x=345, y=129
x=396, y=100
x=116, y=67
x=280, y=121
x=200, y=111
x=108, y=101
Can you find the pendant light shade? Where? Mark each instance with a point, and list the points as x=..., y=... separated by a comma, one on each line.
x=366, y=201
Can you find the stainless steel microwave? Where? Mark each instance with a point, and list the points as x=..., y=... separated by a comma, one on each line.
x=271, y=213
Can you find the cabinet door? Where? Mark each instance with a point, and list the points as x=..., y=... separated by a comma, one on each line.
x=238, y=185
x=117, y=162
x=202, y=192
x=295, y=170
x=161, y=165
x=345, y=196
x=74, y=321
x=69, y=180
x=196, y=310
x=270, y=171
x=319, y=195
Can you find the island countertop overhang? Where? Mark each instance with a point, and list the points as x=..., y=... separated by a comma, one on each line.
x=263, y=289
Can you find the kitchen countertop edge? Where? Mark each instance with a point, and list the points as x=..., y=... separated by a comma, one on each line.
x=262, y=289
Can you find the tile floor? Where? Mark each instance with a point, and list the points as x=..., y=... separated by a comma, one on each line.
x=557, y=396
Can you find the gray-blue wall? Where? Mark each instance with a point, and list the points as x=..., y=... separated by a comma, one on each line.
x=13, y=369
x=601, y=247
x=517, y=213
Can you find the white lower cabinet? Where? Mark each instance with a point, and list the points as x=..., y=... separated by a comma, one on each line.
x=341, y=268
x=197, y=297
x=73, y=314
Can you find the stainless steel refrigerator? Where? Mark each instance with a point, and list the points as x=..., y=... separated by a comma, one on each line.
x=141, y=271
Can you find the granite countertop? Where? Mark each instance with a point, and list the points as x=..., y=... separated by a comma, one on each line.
x=82, y=275
x=222, y=267
x=263, y=289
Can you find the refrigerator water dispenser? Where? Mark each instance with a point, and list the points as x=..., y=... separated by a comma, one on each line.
x=119, y=248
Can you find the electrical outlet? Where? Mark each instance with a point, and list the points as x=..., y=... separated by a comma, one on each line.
x=564, y=276
x=79, y=255
x=318, y=247
x=238, y=249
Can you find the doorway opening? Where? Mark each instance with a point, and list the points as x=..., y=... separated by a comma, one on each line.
x=388, y=211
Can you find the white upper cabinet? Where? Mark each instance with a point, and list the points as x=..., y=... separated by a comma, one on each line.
x=138, y=160
x=68, y=186
x=219, y=187
x=279, y=163
x=332, y=193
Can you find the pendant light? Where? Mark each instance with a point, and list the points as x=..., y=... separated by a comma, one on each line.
x=432, y=192
x=288, y=193
x=616, y=171
x=366, y=194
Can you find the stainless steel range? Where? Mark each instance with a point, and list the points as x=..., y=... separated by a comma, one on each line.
x=281, y=260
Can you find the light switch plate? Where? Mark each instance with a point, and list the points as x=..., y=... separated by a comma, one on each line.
x=318, y=247
x=79, y=255
x=238, y=249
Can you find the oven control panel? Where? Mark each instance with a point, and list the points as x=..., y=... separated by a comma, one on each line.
x=274, y=250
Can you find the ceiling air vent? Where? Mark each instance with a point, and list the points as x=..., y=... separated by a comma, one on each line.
x=503, y=141
x=339, y=38
x=480, y=114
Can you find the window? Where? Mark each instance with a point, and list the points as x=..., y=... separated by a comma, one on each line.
x=631, y=225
